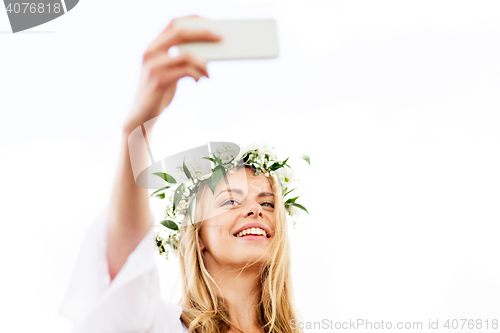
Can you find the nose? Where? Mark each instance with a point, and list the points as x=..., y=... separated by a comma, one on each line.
x=253, y=210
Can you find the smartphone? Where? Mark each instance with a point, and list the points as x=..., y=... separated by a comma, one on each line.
x=241, y=39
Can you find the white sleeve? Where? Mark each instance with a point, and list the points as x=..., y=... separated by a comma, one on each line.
x=131, y=302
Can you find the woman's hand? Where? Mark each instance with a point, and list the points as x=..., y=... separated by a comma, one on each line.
x=160, y=72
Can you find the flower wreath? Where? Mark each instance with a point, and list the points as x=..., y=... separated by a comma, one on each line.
x=182, y=199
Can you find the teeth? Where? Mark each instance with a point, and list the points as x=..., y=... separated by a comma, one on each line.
x=253, y=231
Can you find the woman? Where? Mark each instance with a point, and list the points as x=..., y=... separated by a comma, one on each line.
x=231, y=282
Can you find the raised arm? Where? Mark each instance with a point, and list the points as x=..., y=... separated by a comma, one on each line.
x=129, y=213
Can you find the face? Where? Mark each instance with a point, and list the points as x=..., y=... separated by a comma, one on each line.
x=239, y=212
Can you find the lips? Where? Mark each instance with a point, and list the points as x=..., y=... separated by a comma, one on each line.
x=253, y=231
x=253, y=238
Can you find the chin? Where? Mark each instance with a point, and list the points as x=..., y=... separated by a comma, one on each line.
x=254, y=259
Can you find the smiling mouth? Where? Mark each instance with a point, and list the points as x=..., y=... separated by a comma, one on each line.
x=253, y=233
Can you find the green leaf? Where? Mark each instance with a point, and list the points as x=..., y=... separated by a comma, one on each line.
x=275, y=167
x=230, y=161
x=166, y=177
x=178, y=195
x=186, y=170
x=306, y=158
x=161, y=189
x=209, y=158
x=218, y=173
x=257, y=172
x=191, y=209
x=288, y=192
x=161, y=195
x=291, y=200
x=170, y=224
x=209, y=182
x=299, y=206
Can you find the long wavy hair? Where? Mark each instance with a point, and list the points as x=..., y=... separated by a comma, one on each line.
x=204, y=311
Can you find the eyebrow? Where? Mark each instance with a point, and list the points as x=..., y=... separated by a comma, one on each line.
x=237, y=190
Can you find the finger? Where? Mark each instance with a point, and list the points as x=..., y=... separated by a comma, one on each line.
x=179, y=36
x=170, y=25
x=172, y=22
x=165, y=62
x=177, y=73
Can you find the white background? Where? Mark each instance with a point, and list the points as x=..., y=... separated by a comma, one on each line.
x=396, y=103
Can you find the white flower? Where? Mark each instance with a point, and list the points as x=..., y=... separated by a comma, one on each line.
x=260, y=146
x=294, y=211
x=173, y=242
x=181, y=206
x=225, y=157
x=272, y=155
x=280, y=175
x=289, y=177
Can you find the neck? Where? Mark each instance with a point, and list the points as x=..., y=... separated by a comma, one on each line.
x=241, y=292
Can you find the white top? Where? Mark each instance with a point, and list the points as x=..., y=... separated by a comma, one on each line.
x=131, y=303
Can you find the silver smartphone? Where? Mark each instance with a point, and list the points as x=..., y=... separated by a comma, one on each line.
x=241, y=39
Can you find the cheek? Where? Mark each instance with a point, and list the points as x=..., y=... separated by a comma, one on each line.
x=205, y=234
x=211, y=234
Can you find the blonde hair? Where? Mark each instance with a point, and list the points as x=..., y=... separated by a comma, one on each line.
x=205, y=312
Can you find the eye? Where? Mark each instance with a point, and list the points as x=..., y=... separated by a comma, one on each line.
x=270, y=204
x=230, y=202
